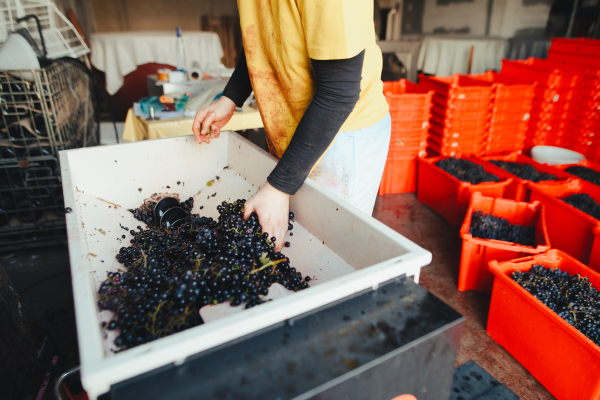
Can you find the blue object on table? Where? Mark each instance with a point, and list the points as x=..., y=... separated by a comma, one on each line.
x=151, y=101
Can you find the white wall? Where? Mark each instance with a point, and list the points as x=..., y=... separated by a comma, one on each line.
x=508, y=16
x=456, y=16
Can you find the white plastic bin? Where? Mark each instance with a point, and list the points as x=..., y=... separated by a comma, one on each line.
x=343, y=248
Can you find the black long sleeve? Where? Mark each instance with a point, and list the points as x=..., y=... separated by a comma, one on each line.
x=239, y=86
x=338, y=90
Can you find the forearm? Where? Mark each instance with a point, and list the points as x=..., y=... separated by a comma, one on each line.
x=239, y=86
x=338, y=90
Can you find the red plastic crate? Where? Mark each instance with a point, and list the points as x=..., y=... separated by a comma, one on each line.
x=459, y=151
x=518, y=190
x=552, y=106
x=458, y=87
x=407, y=101
x=581, y=46
x=570, y=229
x=504, y=145
x=594, y=262
x=583, y=163
x=546, y=74
x=551, y=95
x=460, y=123
x=507, y=87
x=399, y=176
x=471, y=133
x=505, y=118
x=453, y=147
x=475, y=114
x=477, y=253
x=560, y=357
x=586, y=61
x=440, y=100
x=447, y=195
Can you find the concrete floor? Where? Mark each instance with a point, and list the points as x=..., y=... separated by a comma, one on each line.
x=404, y=214
x=42, y=275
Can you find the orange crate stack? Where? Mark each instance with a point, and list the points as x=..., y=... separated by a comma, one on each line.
x=510, y=113
x=582, y=55
x=410, y=109
x=460, y=114
x=553, y=102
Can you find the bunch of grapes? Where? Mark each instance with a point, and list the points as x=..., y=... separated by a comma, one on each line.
x=585, y=203
x=573, y=298
x=466, y=170
x=488, y=226
x=524, y=171
x=172, y=273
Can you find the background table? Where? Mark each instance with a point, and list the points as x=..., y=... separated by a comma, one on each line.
x=137, y=128
x=119, y=53
x=446, y=55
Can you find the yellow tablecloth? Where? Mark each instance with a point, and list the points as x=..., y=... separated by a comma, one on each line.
x=137, y=128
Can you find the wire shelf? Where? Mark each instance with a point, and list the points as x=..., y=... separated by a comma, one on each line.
x=38, y=119
x=60, y=37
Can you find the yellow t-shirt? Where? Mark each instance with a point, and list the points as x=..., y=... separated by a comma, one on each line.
x=281, y=36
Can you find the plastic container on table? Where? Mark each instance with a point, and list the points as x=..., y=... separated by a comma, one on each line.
x=477, y=253
x=367, y=254
x=518, y=190
x=546, y=74
x=399, y=175
x=560, y=357
x=447, y=195
x=570, y=229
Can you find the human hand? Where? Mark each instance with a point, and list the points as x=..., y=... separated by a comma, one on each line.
x=209, y=121
x=273, y=210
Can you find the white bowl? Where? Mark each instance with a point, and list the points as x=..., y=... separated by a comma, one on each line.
x=555, y=155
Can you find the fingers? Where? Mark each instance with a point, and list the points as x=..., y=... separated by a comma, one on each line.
x=200, y=115
x=248, y=209
x=208, y=122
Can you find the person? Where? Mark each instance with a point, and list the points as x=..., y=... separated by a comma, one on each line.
x=315, y=69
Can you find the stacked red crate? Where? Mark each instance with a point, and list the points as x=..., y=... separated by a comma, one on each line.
x=410, y=109
x=583, y=55
x=554, y=100
x=459, y=116
x=510, y=112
